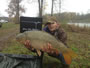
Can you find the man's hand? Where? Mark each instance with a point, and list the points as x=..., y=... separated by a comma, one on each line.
x=50, y=50
x=28, y=45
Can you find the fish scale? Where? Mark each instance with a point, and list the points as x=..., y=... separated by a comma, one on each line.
x=39, y=40
x=44, y=37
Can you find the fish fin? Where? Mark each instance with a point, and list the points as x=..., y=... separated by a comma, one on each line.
x=69, y=55
x=67, y=58
x=38, y=52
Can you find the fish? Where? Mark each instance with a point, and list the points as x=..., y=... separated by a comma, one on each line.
x=39, y=40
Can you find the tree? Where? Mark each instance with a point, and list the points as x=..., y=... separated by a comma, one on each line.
x=40, y=3
x=52, y=7
x=60, y=6
x=55, y=5
x=14, y=9
x=41, y=6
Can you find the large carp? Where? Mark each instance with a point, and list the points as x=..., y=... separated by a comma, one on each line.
x=39, y=39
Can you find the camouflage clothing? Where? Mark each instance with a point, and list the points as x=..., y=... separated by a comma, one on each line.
x=62, y=36
x=58, y=33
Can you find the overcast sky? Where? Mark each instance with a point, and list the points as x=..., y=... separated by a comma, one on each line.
x=79, y=6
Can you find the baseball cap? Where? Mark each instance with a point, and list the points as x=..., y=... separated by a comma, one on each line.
x=50, y=22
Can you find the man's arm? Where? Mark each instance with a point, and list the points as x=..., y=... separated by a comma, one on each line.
x=62, y=36
x=54, y=53
x=50, y=50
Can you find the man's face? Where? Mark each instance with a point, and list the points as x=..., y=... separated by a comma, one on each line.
x=52, y=26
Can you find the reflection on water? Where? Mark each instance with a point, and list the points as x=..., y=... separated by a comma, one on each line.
x=81, y=24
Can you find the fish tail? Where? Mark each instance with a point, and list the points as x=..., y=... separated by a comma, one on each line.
x=71, y=53
x=68, y=56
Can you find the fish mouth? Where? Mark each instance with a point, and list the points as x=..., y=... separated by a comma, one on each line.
x=20, y=37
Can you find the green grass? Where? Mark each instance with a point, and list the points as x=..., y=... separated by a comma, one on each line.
x=16, y=48
x=78, y=41
x=8, y=25
x=7, y=28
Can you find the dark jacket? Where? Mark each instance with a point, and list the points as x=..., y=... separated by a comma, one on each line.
x=58, y=33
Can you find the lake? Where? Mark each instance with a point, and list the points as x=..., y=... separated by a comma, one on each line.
x=80, y=24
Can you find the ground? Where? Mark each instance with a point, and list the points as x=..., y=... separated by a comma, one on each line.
x=78, y=41
x=8, y=31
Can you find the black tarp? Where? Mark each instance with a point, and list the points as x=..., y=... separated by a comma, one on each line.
x=19, y=61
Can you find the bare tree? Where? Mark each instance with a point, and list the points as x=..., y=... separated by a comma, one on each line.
x=52, y=7
x=60, y=6
x=56, y=6
x=14, y=9
x=40, y=3
x=17, y=11
x=39, y=7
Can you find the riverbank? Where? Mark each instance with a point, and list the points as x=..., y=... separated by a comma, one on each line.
x=80, y=24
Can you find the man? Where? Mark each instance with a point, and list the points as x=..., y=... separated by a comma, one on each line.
x=54, y=28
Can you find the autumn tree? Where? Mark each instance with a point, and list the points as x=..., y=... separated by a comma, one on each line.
x=15, y=9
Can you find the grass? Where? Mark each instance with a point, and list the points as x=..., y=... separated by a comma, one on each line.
x=7, y=28
x=76, y=29
x=78, y=41
x=8, y=25
x=17, y=48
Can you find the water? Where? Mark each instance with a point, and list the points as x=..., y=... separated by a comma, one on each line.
x=80, y=24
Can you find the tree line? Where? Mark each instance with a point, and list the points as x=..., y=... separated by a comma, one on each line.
x=73, y=17
x=15, y=9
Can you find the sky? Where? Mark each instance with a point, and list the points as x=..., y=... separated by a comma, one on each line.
x=78, y=6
